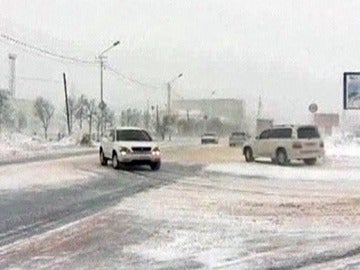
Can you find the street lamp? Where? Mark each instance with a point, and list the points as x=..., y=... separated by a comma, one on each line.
x=102, y=104
x=169, y=100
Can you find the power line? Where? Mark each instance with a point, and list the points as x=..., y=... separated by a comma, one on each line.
x=132, y=80
x=34, y=79
x=43, y=51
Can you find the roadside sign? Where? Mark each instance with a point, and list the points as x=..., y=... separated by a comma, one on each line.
x=351, y=90
x=313, y=107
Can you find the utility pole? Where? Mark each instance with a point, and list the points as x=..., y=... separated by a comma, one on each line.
x=169, y=124
x=66, y=104
x=12, y=59
x=102, y=103
x=157, y=120
x=101, y=95
x=169, y=99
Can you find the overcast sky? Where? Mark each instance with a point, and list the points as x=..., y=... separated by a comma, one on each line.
x=291, y=53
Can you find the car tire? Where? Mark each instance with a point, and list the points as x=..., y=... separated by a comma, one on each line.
x=281, y=157
x=248, y=153
x=115, y=161
x=310, y=161
x=155, y=166
x=103, y=159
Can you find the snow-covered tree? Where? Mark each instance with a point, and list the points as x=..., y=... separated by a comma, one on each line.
x=90, y=111
x=6, y=110
x=80, y=109
x=44, y=110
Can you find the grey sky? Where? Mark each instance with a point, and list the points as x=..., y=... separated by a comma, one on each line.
x=291, y=53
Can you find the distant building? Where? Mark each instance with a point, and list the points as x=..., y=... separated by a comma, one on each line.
x=231, y=111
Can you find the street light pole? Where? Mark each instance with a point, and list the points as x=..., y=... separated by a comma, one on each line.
x=101, y=78
x=169, y=102
x=102, y=104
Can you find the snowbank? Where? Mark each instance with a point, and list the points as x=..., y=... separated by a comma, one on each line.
x=274, y=172
x=17, y=146
x=342, y=147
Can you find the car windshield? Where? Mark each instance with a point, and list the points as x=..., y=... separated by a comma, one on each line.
x=308, y=133
x=132, y=135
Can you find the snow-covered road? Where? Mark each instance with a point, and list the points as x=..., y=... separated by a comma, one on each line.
x=223, y=214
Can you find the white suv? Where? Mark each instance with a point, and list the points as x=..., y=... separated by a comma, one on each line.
x=285, y=143
x=129, y=146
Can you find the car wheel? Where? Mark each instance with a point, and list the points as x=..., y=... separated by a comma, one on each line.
x=281, y=157
x=103, y=159
x=115, y=161
x=155, y=166
x=310, y=161
x=248, y=154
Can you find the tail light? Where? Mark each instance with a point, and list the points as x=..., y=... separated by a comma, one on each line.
x=322, y=144
x=296, y=145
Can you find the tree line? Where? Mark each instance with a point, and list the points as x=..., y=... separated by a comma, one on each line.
x=81, y=110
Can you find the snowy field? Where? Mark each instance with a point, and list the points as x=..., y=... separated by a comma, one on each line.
x=230, y=215
x=259, y=215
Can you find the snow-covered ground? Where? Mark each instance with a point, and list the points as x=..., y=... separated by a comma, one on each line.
x=48, y=174
x=17, y=146
x=233, y=215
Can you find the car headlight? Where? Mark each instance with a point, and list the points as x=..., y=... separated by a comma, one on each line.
x=124, y=151
x=156, y=151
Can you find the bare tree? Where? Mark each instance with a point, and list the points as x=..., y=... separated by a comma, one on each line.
x=5, y=109
x=90, y=112
x=80, y=109
x=44, y=110
x=22, y=121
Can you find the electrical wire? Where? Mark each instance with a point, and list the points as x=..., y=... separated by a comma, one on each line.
x=35, y=79
x=132, y=80
x=44, y=52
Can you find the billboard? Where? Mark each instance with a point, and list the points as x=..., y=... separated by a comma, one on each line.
x=351, y=90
